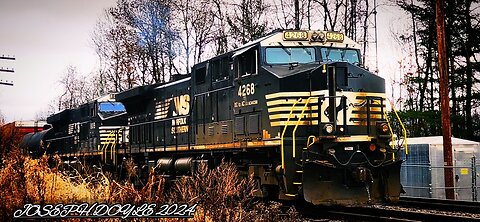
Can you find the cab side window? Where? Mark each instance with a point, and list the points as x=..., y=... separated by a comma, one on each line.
x=247, y=63
x=220, y=69
x=200, y=75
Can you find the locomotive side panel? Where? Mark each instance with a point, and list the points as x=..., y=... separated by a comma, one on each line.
x=212, y=89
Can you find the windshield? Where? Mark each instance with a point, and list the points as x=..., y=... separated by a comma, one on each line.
x=336, y=54
x=111, y=107
x=286, y=55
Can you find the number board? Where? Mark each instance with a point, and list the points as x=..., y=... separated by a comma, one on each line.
x=335, y=37
x=295, y=35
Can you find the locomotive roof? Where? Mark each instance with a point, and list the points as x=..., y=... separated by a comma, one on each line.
x=134, y=92
x=173, y=83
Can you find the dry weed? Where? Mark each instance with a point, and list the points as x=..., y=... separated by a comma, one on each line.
x=221, y=193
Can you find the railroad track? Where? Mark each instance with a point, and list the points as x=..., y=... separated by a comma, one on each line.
x=437, y=204
x=380, y=214
x=408, y=209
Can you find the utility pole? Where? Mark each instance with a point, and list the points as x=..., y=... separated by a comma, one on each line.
x=5, y=82
x=297, y=14
x=445, y=102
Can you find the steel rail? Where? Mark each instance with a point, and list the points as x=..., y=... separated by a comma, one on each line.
x=439, y=204
x=415, y=212
x=380, y=214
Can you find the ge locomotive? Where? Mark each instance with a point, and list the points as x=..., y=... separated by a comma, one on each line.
x=294, y=109
x=95, y=129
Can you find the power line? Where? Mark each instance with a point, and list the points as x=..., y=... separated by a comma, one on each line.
x=6, y=82
x=6, y=70
x=6, y=57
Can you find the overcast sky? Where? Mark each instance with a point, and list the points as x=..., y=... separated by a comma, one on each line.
x=46, y=36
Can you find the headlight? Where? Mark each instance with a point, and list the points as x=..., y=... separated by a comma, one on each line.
x=328, y=128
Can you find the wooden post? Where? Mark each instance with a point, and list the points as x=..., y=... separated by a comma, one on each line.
x=444, y=102
x=297, y=14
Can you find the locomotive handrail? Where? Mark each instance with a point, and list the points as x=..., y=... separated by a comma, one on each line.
x=403, y=127
x=59, y=138
x=112, y=146
x=108, y=142
x=159, y=120
x=391, y=130
x=298, y=122
x=284, y=130
x=212, y=91
x=114, y=150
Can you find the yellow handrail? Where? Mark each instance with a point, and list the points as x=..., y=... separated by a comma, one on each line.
x=112, y=146
x=115, y=147
x=403, y=127
x=105, y=145
x=298, y=122
x=391, y=131
x=284, y=130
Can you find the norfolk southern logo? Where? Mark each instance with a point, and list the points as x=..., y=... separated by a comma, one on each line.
x=180, y=108
x=182, y=105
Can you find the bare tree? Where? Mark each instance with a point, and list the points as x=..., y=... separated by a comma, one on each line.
x=145, y=41
x=2, y=119
x=77, y=89
x=284, y=14
x=115, y=45
x=201, y=24
x=182, y=11
x=219, y=13
x=248, y=20
x=197, y=21
x=136, y=44
x=42, y=115
x=151, y=21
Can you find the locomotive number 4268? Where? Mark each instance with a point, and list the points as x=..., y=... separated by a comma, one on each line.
x=246, y=90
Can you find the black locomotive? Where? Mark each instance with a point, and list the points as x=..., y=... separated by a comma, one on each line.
x=96, y=128
x=294, y=109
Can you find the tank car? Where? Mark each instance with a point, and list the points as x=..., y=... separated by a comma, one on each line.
x=294, y=109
